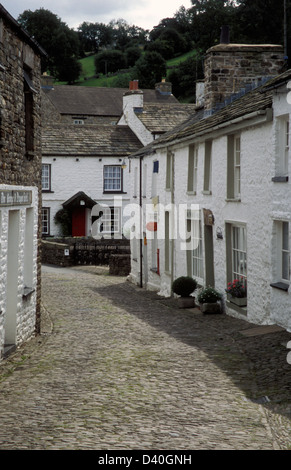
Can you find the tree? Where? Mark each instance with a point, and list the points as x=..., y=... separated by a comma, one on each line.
x=109, y=61
x=150, y=69
x=93, y=36
x=59, y=41
x=184, y=76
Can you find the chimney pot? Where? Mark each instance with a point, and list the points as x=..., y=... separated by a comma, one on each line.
x=133, y=85
x=224, y=35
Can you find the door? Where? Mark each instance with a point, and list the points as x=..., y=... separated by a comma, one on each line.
x=79, y=222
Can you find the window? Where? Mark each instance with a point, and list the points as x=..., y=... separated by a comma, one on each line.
x=195, y=262
x=233, y=167
x=112, y=178
x=282, y=157
x=168, y=243
x=155, y=178
x=169, y=170
x=192, y=169
x=197, y=254
x=78, y=121
x=110, y=222
x=207, y=167
x=281, y=273
x=46, y=177
x=45, y=220
x=236, y=238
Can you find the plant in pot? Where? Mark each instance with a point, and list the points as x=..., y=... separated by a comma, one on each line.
x=237, y=292
x=184, y=286
x=209, y=299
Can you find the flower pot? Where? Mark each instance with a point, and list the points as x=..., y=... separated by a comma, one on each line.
x=240, y=301
x=186, y=302
x=211, y=307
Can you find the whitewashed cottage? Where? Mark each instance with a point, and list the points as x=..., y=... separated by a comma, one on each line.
x=20, y=184
x=85, y=148
x=213, y=195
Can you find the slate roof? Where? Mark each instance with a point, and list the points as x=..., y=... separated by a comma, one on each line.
x=259, y=99
x=160, y=119
x=72, y=140
x=97, y=101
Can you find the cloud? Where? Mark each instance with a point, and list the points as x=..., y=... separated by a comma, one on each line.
x=144, y=13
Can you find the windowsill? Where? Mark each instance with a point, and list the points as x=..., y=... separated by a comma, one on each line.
x=237, y=308
x=114, y=192
x=154, y=270
x=280, y=285
x=27, y=291
x=192, y=193
x=47, y=191
x=280, y=179
x=207, y=192
x=233, y=199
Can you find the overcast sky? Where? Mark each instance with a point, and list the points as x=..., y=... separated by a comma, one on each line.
x=143, y=13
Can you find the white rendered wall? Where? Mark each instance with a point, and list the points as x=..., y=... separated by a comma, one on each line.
x=18, y=314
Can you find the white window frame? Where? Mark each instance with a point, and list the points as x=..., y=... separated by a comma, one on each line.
x=46, y=177
x=112, y=178
x=239, y=252
x=110, y=222
x=45, y=220
x=283, y=136
x=192, y=169
x=207, y=187
x=282, y=245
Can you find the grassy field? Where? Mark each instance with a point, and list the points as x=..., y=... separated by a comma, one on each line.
x=88, y=70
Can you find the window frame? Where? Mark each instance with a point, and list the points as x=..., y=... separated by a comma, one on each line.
x=207, y=180
x=192, y=169
x=108, y=178
x=233, y=168
x=47, y=210
x=49, y=187
x=280, y=252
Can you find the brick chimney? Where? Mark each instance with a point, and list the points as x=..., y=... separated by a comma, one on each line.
x=228, y=68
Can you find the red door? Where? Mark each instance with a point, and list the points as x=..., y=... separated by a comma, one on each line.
x=79, y=222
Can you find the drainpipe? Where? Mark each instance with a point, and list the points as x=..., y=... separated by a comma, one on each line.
x=141, y=218
x=172, y=203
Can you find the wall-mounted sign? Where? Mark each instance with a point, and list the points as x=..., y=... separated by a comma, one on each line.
x=15, y=197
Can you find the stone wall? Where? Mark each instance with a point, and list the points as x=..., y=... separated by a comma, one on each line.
x=230, y=67
x=20, y=171
x=71, y=252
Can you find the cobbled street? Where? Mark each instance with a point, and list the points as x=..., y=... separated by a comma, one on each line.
x=120, y=368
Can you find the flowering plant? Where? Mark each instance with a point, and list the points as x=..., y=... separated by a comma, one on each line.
x=209, y=295
x=236, y=288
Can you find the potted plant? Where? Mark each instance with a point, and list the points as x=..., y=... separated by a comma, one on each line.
x=209, y=298
x=237, y=292
x=184, y=286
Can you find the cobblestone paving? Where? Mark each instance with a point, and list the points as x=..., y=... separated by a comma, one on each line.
x=119, y=368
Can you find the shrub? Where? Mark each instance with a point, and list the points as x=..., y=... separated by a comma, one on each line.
x=209, y=295
x=184, y=286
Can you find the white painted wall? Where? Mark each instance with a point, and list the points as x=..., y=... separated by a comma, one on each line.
x=18, y=268
x=261, y=201
x=69, y=176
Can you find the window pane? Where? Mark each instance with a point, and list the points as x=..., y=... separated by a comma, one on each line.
x=112, y=178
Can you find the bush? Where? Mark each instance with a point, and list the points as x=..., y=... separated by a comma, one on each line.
x=184, y=286
x=209, y=295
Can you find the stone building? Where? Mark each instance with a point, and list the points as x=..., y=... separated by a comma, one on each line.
x=20, y=183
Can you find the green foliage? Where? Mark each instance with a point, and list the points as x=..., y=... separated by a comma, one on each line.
x=150, y=69
x=184, y=286
x=209, y=295
x=184, y=76
x=59, y=41
x=63, y=218
x=109, y=61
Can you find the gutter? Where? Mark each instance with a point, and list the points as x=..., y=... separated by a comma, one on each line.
x=267, y=115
